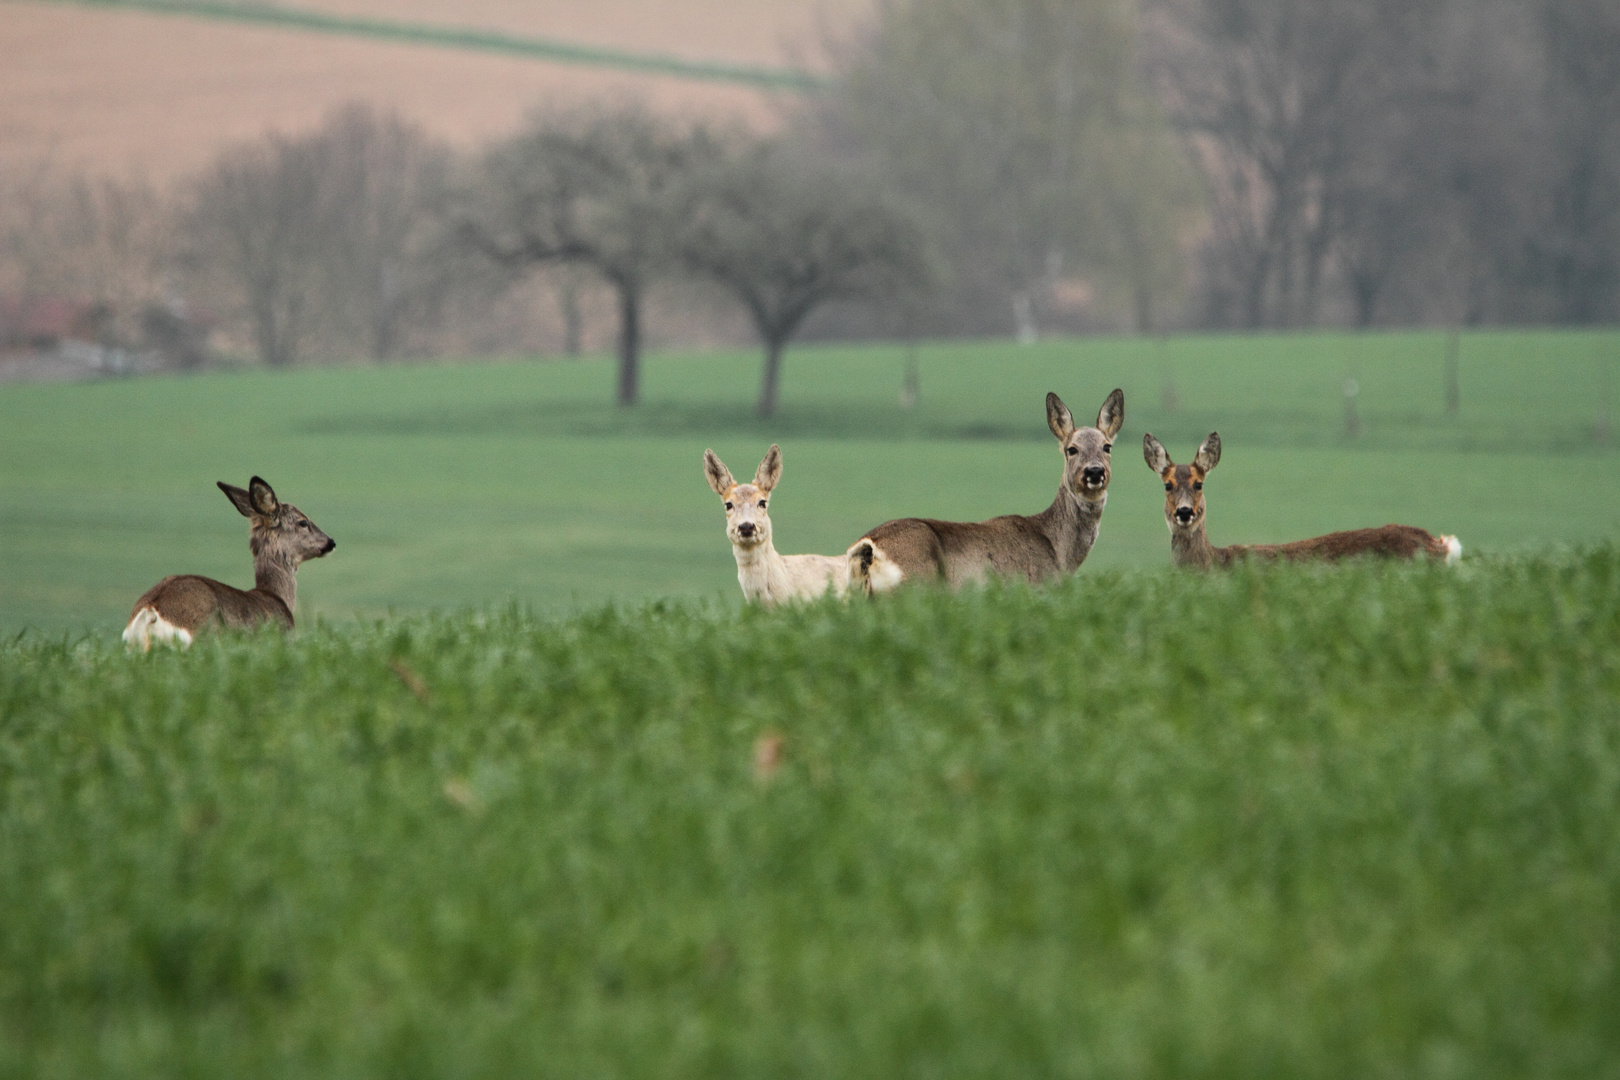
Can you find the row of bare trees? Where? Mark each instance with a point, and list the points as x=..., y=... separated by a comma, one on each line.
x=365, y=237
x=1247, y=163
x=978, y=167
x=633, y=198
x=1399, y=161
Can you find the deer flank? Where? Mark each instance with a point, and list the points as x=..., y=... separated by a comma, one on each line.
x=1036, y=548
x=280, y=537
x=1189, y=538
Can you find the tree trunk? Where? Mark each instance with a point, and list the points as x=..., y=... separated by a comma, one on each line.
x=573, y=320
x=773, y=369
x=629, y=341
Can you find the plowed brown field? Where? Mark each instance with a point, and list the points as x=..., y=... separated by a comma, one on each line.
x=160, y=93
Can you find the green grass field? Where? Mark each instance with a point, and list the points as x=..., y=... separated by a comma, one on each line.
x=1281, y=822
x=476, y=820
x=455, y=485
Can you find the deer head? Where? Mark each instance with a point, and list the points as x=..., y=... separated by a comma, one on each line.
x=279, y=531
x=1086, y=468
x=1183, y=484
x=748, y=519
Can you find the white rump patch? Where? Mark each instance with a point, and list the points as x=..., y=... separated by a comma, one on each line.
x=1453, y=549
x=884, y=574
x=147, y=626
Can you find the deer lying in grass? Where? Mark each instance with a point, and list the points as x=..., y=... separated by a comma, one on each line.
x=766, y=577
x=1189, y=541
x=1037, y=548
x=176, y=609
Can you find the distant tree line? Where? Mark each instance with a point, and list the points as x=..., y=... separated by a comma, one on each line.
x=978, y=167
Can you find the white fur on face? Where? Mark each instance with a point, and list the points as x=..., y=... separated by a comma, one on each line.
x=745, y=506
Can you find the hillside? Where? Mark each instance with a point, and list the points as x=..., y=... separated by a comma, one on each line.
x=158, y=93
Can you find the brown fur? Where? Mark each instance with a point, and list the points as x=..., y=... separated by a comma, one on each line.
x=1189, y=538
x=1035, y=548
x=280, y=537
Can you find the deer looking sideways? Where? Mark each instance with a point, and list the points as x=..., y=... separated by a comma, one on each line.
x=280, y=537
x=1189, y=542
x=766, y=577
x=1037, y=548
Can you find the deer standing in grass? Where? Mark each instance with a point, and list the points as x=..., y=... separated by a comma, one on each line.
x=1036, y=548
x=176, y=609
x=1189, y=541
x=766, y=577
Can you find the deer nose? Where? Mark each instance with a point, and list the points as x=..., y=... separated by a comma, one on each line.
x=1094, y=474
x=745, y=529
x=1184, y=514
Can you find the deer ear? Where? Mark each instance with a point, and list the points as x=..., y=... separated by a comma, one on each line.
x=1153, y=453
x=715, y=471
x=239, y=498
x=770, y=470
x=1058, y=417
x=1209, y=454
x=263, y=499
x=1111, y=417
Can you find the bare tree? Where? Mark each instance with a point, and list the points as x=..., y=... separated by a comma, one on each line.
x=594, y=189
x=97, y=240
x=784, y=237
x=1021, y=129
x=387, y=182
x=1578, y=244
x=258, y=224
x=1278, y=98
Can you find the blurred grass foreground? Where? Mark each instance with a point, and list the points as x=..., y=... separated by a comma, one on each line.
x=1287, y=821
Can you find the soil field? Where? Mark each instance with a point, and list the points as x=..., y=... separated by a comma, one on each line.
x=124, y=90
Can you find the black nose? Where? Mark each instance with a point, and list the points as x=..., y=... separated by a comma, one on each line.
x=330, y=544
x=746, y=528
x=1184, y=514
x=1094, y=474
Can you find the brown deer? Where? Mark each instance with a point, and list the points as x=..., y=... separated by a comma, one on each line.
x=1189, y=541
x=766, y=577
x=176, y=609
x=1036, y=548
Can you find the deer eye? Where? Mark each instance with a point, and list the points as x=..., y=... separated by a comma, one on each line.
x=728, y=506
x=1169, y=487
x=1198, y=485
x=1072, y=451
x=762, y=504
x=1108, y=448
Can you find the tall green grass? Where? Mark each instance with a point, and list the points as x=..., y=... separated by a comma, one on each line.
x=1280, y=822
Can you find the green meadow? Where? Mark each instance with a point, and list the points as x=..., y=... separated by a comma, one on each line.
x=530, y=793
x=1344, y=822
x=470, y=484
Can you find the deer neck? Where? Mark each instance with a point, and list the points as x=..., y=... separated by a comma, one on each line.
x=1071, y=524
x=1191, y=547
x=760, y=570
x=276, y=575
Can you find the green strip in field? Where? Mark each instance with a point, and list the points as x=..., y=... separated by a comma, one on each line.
x=473, y=39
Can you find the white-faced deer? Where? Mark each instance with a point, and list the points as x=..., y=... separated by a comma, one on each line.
x=1037, y=548
x=766, y=577
x=176, y=609
x=1189, y=541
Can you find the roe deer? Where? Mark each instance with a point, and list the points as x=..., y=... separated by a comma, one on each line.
x=280, y=537
x=1189, y=541
x=1036, y=548
x=766, y=577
